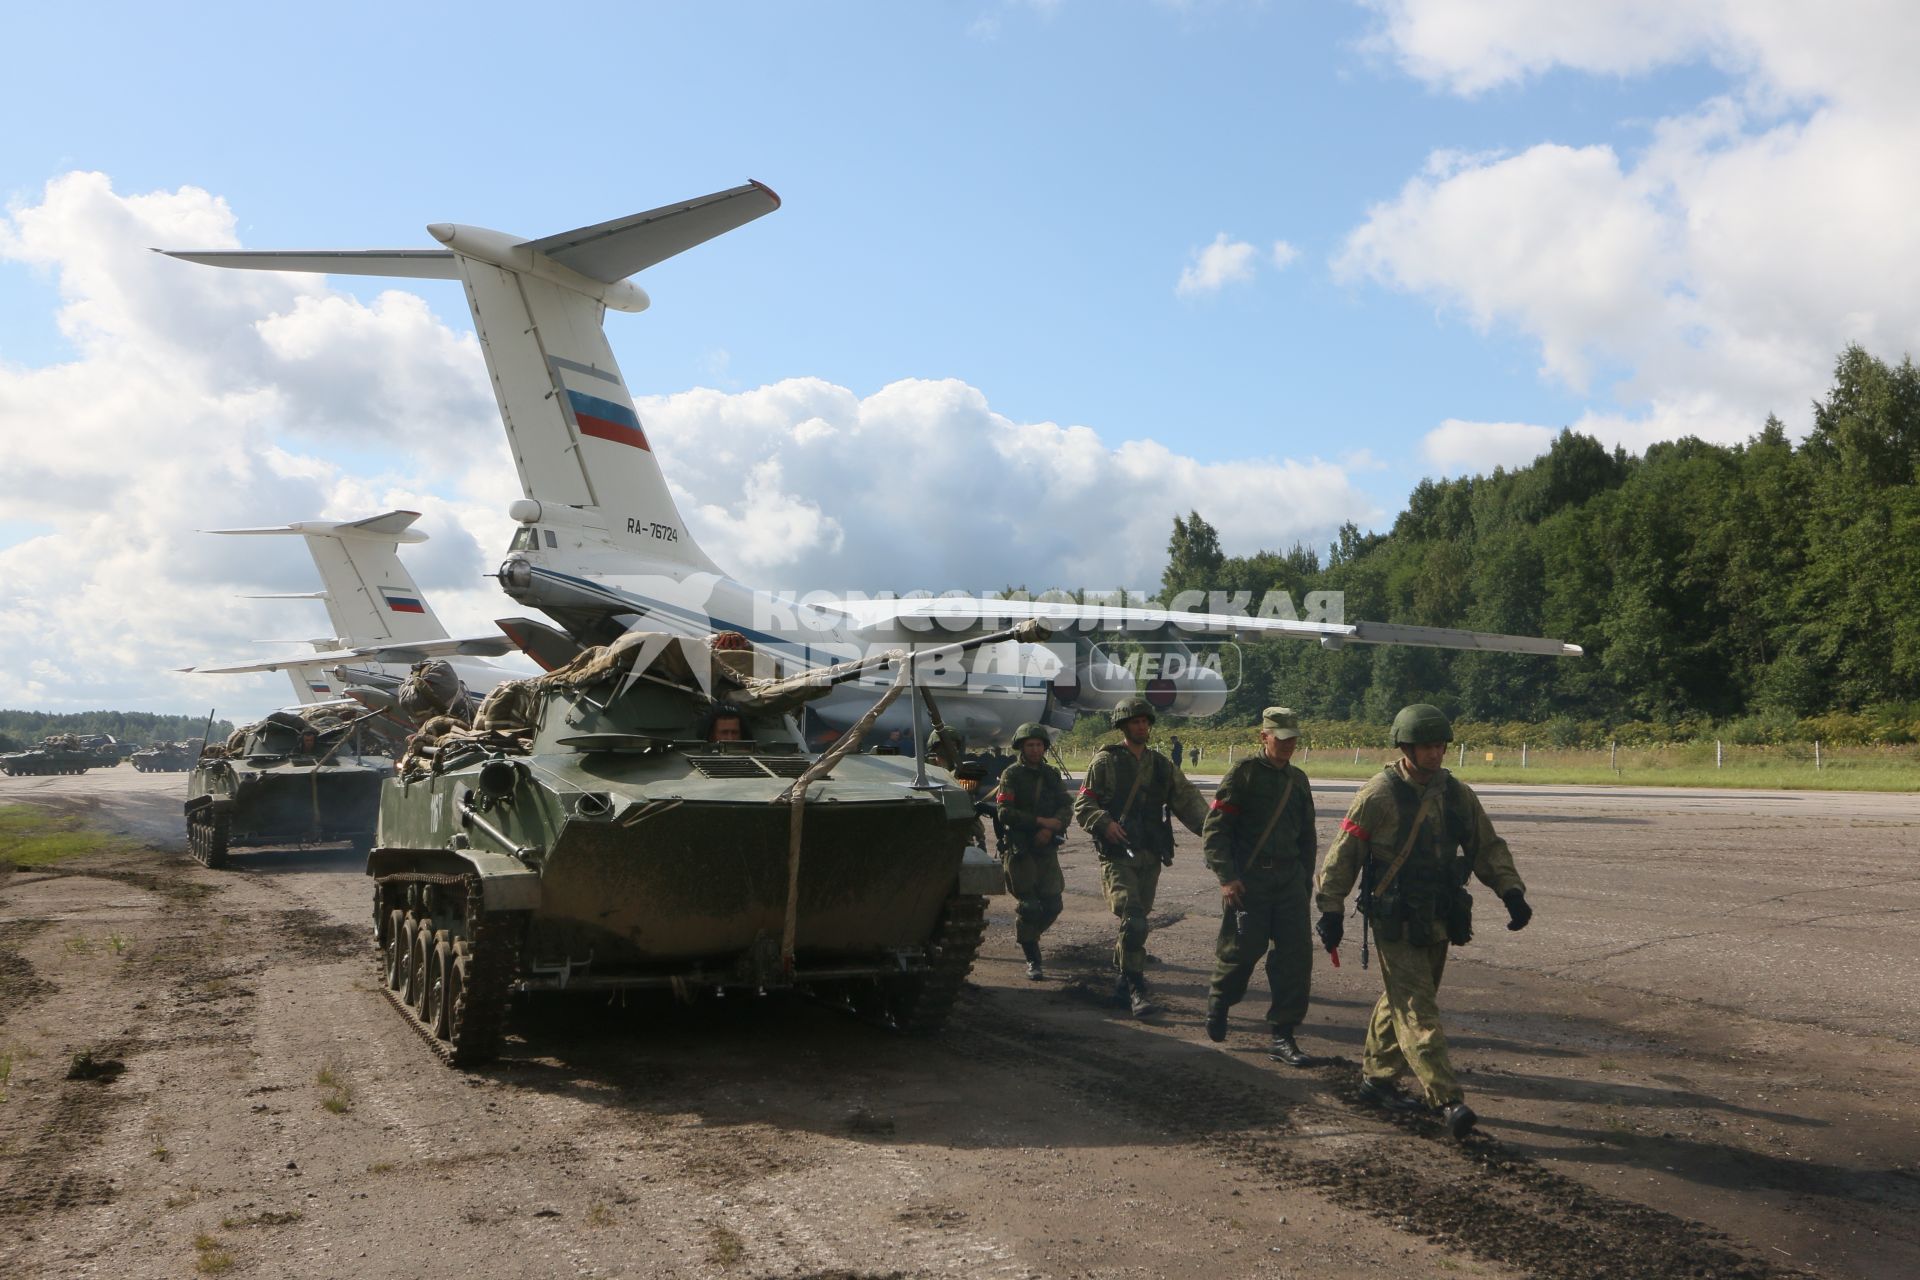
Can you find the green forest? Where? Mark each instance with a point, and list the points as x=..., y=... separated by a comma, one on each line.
x=19, y=729
x=1768, y=585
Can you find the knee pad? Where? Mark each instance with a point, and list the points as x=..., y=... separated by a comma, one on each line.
x=1133, y=931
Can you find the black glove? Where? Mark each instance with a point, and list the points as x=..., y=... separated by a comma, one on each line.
x=1331, y=929
x=1517, y=908
x=1166, y=859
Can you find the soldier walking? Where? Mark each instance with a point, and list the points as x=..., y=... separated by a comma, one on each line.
x=1034, y=810
x=1260, y=843
x=1413, y=836
x=1129, y=792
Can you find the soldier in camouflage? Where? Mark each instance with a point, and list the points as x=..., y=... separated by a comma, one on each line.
x=1034, y=810
x=1413, y=837
x=1260, y=843
x=1130, y=791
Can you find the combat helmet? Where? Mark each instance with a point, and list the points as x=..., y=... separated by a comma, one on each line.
x=1421, y=722
x=1031, y=729
x=1130, y=708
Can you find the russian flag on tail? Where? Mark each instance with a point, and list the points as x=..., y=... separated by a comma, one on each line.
x=400, y=602
x=596, y=402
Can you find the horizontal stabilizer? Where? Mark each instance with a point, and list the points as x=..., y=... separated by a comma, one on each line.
x=393, y=526
x=612, y=251
x=282, y=595
x=405, y=654
x=412, y=264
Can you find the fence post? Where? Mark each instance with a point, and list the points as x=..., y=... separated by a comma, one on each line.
x=1356, y=755
x=1460, y=760
x=1816, y=755
x=1523, y=755
x=1716, y=753
x=1613, y=755
x=1229, y=759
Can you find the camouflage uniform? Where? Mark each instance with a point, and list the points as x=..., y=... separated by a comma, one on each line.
x=1278, y=880
x=1130, y=883
x=1027, y=793
x=1410, y=920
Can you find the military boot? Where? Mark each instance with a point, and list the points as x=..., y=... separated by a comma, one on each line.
x=1459, y=1120
x=1032, y=952
x=1139, y=1000
x=1283, y=1049
x=1382, y=1093
x=1216, y=1020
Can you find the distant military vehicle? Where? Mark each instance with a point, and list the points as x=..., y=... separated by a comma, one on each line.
x=104, y=748
x=285, y=780
x=612, y=826
x=166, y=757
x=60, y=753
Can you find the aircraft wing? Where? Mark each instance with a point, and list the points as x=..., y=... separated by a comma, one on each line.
x=947, y=616
x=405, y=654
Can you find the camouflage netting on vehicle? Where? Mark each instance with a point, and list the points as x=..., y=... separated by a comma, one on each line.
x=278, y=734
x=433, y=689
x=505, y=718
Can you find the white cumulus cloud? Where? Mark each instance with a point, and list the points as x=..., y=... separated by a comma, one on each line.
x=1215, y=266
x=1709, y=277
x=1459, y=448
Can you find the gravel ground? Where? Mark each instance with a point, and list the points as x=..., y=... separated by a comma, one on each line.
x=1703, y=1058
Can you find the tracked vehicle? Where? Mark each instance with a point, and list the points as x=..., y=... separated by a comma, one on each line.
x=165, y=757
x=61, y=753
x=285, y=780
x=588, y=833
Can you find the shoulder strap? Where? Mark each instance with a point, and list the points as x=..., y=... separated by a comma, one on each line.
x=1413, y=833
x=1139, y=776
x=1267, y=830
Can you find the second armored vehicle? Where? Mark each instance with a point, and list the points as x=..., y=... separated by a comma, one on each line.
x=283, y=781
x=165, y=757
x=61, y=753
x=648, y=817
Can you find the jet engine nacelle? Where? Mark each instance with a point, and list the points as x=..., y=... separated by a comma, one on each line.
x=1172, y=678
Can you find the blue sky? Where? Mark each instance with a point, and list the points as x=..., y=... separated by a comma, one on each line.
x=1501, y=217
x=999, y=193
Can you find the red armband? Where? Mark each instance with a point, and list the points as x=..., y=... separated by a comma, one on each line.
x=1349, y=827
x=1225, y=807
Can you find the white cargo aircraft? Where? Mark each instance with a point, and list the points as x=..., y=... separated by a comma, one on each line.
x=382, y=620
x=602, y=547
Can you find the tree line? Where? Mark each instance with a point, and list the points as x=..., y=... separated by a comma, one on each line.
x=1769, y=583
x=21, y=729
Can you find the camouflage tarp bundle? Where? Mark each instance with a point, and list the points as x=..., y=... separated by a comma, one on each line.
x=440, y=734
x=726, y=660
x=433, y=689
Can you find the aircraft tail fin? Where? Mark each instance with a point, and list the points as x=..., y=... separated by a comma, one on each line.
x=576, y=438
x=370, y=596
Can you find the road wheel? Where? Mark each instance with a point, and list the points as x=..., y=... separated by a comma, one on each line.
x=421, y=942
x=439, y=1010
x=399, y=947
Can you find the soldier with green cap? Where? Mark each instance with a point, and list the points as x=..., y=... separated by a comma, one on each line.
x=1035, y=810
x=945, y=747
x=1260, y=843
x=1124, y=805
x=1413, y=837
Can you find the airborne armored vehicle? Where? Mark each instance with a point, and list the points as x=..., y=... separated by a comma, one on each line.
x=648, y=816
x=285, y=780
x=61, y=753
x=165, y=757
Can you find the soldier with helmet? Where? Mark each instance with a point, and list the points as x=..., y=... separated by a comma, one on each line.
x=945, y=747
x=1129, y=792
x=1260, y=843
x=1034, y=810
x=1413, y=837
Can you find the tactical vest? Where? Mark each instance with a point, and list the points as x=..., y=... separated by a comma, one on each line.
x=1039, y=791
x=1150, y=825
x=1416, y=906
